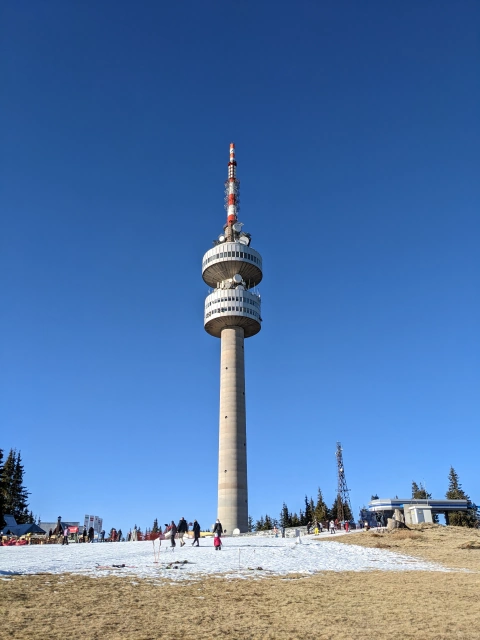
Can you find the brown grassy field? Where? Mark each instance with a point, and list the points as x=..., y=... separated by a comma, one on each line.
x=450, y=546
x=406, y=604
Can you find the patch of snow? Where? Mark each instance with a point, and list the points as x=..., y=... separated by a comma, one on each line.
x=240, y=557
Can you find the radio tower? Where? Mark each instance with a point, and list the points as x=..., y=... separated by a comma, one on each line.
x=343, y=493
x=232, y=312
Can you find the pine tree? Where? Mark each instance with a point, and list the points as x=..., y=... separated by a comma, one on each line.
x=155, y=526
x=2, y=494
x=285, y=517
x=250, y=524
x=308, y=516
x=455, y=492
x=320, y=512
x=260, y=524
x=268, y=523
x=20, y=494
x=334, y=510
x=346, y=511
x=295, y=520
x=7, y=482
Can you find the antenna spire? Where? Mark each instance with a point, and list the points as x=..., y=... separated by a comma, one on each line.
x=232, y=189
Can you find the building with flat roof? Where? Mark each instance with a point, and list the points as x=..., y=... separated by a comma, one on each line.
x=417, y=511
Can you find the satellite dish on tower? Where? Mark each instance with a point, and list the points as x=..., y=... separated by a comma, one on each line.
x=221, y=238
x=237, y=227
x=237, y=278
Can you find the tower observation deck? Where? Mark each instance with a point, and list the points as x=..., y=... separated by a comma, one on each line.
x=232, y=313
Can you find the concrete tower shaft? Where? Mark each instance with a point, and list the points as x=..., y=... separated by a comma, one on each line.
x=232, y=313
x=232, y=458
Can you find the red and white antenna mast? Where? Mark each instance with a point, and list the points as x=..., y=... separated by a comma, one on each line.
x=232, y=189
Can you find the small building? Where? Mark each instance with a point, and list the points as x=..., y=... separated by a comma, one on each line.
x=417, y=511
x=58, y=526
x=11, y=527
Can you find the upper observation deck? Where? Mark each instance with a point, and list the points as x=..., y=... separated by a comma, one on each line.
x=228, y=259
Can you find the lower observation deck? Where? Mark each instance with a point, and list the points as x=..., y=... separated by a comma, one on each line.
x=232, y=308
x=230, y=258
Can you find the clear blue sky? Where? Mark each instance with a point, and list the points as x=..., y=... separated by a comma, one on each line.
x=357, y=133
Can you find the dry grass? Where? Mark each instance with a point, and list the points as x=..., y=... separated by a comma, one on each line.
x=428, y=606
x=450, y=546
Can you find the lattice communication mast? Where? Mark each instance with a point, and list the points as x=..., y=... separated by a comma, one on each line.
x=343, y=492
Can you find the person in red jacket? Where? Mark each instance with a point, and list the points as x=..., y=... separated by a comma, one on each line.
x=217, y=542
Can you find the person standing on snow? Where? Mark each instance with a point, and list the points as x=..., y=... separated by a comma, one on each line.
x=182, y=529
x=218, y=528
x=173, y=533
x=65, y=536
x=196, y=533
x=91, y=534
x=217, y=542
x=332, y=526
x=119, y=538
x=84, y=534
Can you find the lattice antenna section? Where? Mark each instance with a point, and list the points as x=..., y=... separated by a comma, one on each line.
x=343, y=492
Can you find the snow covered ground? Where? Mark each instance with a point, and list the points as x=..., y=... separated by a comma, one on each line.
x=239, y=558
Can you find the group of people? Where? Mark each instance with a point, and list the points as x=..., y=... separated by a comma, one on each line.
x=333, y=526
x=179, y=531
x=86, y=535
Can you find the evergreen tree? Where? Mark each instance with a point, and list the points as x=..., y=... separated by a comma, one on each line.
x=301, y=519
x=268, y=523
x=311, y=506
x=7, y=482
x=455, y=492
x=285, y=517
x=20, y=494
x=295, y=520
x=346, y=511
x=250, y=524
x=2, y=494
x=260, y=524
x=375, y=497
x=308, y=516
x=155, y=526
x=334, y=510
x=320, y=513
